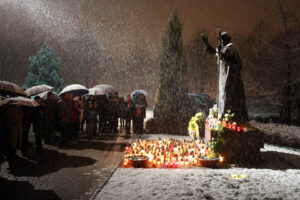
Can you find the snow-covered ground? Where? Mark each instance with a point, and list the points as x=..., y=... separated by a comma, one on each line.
x=279, y=134
x=277, y=177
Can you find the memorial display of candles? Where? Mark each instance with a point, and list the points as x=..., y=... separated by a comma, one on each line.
x=169, y=153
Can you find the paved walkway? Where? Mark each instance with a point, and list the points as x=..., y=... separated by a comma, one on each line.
x=75, y=171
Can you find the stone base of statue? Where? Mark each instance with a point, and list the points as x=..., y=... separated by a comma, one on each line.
x=240, y=147
x=165, y=126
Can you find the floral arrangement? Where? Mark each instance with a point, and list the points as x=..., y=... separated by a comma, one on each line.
x=214, y=121
x=196, y=125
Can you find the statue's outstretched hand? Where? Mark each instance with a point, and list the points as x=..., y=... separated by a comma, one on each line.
x=204, y=38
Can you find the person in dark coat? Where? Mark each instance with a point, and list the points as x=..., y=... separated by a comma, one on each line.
x=38, y=123
x=129, y=110
x=3, y=138
x=91, y=120
x=26, y=123
x=65, y=109
x=49, y=108
x=103, y=105
x=90, y=98
x=75, y=120
x=140, y=107
x=122, y=112
x=14, y=115
x=113, y=113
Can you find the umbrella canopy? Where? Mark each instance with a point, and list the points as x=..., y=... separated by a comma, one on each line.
x=43, y=95
x=108, y=89
x=136, y=93
x=75, y=90
x=37, y=89
x=22, y=101
x=96, y=91
x=8, y=88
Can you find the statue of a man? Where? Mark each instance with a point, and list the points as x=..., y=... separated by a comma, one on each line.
x=231, y=94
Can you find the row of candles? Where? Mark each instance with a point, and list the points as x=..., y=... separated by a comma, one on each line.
x=170, y=153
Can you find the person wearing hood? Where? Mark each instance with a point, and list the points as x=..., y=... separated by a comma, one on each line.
x=140, y=106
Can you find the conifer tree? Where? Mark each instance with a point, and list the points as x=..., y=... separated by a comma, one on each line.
x=172, y=99
x=43, y=69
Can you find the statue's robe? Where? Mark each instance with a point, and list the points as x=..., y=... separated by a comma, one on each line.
x=231, y=94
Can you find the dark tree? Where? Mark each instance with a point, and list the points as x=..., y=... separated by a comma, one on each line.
x=172, y=97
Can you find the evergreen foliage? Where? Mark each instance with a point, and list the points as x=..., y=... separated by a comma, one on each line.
x=172, y=99
x=43, y=69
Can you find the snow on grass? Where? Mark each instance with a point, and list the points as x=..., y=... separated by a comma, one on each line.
x=283, y=135
x=202, y=184
x=277, y=177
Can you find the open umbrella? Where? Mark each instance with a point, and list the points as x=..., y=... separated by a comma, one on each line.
x=22, y=101
x=8, y=88
x=75, y=90
x=96, y=91
x=108, y=89
x=37, y=89
x=136, y=93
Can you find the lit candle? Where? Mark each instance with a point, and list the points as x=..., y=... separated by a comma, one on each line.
x=125, y=162
x=166, y=164
x=195, y=161
x=221, y=158
x=234, y=126
x=150, y=157
x=175, y=164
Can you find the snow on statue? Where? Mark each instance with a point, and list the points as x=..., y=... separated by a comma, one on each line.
x=231, y=94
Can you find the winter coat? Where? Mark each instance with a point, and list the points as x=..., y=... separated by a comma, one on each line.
x=103, y=107
x=129, y=109
x=141, y=106
x=49, y=107
x=90, y=115
x=65, y=111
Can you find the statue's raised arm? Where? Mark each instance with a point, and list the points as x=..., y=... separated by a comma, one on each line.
x=208, y=48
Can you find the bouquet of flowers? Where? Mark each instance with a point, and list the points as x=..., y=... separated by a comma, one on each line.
x=196, y=125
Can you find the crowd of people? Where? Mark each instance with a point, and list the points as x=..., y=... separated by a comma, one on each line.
x=70, y=116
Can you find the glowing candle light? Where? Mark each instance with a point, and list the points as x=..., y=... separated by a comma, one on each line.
x=125, y=162
x=166, y=164
x=150, y=157
x=234, y=126
x=162, y=159
x=195, y=161
x=221, y=158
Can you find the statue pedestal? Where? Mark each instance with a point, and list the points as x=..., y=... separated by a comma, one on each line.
x=240, y=147
x=163, y=126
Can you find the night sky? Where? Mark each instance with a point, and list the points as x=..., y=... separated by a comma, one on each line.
x=123, y=25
